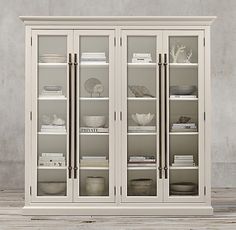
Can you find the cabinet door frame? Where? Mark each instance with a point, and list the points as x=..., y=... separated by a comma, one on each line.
x=34, y=98
x=124, y=111
x=112, y=151
x=201, y=109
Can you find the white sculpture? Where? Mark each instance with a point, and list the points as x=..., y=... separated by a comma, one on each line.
x=176, y=52
x=188, y=56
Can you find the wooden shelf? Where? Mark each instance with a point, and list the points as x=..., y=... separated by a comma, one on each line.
x=142, y=134
x=51, y=167
x=53, y=65
x=94, y=98
x=142, y=98
x=183, y=167
x=94, y=134
x=52, y=133
x=183, y=99
x=94, y=168
x=183, y=133
x=142, y=167
x=52, y=98
x=94, y=65
x=142, y=65
x=183, y=65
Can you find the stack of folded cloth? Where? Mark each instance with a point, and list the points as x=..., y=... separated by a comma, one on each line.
x=94, y=161
x=141, y=58
x=52, y=90
x=183, y=161
x=52, y=160
x=98, y=57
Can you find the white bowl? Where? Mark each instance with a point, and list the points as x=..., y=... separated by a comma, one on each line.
x=52, y=187
x=95, y=186
x=94, y=121
x=142, y=119
x=182, y=89
x=141, y=187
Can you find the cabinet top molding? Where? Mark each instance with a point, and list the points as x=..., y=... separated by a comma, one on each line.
x=119, y=20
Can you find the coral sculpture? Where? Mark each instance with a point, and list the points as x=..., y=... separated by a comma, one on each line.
x=175, y=52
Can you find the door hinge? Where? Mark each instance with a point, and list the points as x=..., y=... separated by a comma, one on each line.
x=204, y=40
x=121, y=116
x=115, y=41
x=120, y=190
x=31, y=41
x=30, y=191
x=115, y=116
x=31, y=115
x=204, y=190
x=204, y=116
x=120, y=41
x=115, y=190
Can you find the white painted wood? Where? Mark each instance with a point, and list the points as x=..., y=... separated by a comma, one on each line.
x=116, y=28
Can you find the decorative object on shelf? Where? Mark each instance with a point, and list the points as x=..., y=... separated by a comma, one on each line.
x=183, y=119
x=94, y=161
x=95, y=185
x=183, y=125
x=142, y=161
x=57, y=121
x=182, y=89
x=142, y=119
x=180, y=54
x=52, y=91
x=141, y=58
x=141, y=186
x=93, y=86
x=183, y=161
x=52, y=160
x=93, y=130
x=183, y=188
x=140, y=91
x=52, y=58
x=94, y=121
x=141, y=129
x=93, y=57
x=46, y=120
x=52, y=187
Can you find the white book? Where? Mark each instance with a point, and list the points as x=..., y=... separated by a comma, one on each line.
x=51, y=158
x=92, y=62
x=141, y=60
x=92, y=157
x=93, y=130
x=52, y=164
x=141, y=165
x=183, y=96
x=136, y=55
x=52, y=154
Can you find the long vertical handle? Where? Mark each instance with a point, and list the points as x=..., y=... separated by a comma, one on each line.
x=75, y=114
x=165, y=88
x=70, y=107
x=160, y=130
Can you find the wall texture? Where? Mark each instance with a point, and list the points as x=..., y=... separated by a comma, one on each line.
x=12, y=73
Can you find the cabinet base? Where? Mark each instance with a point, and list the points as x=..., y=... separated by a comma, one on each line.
x=119, y=211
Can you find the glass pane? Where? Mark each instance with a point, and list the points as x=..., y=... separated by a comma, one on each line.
x=142, y=116
x=183, y=115
x=52, y=116
x=94, y=116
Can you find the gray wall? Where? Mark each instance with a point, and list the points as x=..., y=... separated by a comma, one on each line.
x=12, y=73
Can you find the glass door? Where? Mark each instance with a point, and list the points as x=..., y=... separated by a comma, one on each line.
x=141, y=117
x=184, y=108
x=94, y=120
x=50, y=116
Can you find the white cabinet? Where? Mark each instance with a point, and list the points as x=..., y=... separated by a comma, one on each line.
x=117, y=115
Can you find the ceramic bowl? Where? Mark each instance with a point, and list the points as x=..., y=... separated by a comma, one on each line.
x=94, y=121
x=182, y=89
x=52, y=187
x=95, y=186
x=183, y=187
x=141, y=187
x=142, y=119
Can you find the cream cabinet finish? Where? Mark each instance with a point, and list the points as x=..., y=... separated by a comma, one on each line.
x=60, y=160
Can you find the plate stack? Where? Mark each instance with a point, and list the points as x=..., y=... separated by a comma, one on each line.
x=141, y=58
x=183, y=188
x=142, y=161
x=183, y=161
x=52, y=58
x=93, y=58
x=52, y=160
x=183, y=127
x=52, y=91
x=94, y=161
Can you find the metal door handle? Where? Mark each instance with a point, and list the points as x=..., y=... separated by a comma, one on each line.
x=160, y=140
x=165, y=80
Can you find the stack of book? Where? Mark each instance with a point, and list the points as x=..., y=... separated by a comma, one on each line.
x=52, y=160
x=94, y=161
x=141, y=161
x=140, y=129
x=53, y=128
x=183, y=96
x=90, y=58
x=183, y=161
x=93, y=130
x=141, y=58
x=52, y=91
x=183, y=127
